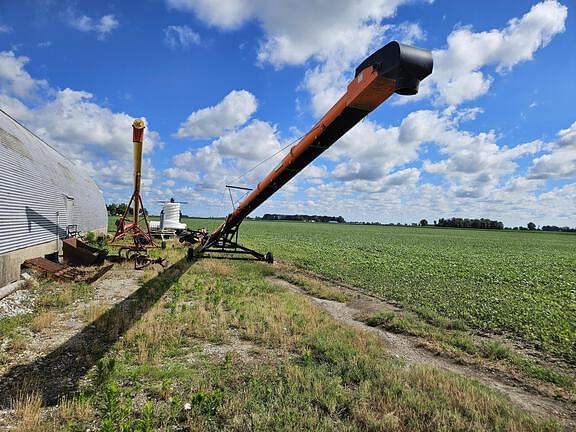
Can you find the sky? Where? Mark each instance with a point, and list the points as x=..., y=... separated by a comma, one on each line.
x=225, y=84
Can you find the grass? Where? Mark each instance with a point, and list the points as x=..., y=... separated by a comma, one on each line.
x=75, y=410
x=59, y=295
x=93, y=311
x=42, y=321
x=305, y=371
x=290, y=366
x=312, y=286
x=520, y=283
x=27, y=409
x=51, y=297
x=450, y=338
x=9, y=325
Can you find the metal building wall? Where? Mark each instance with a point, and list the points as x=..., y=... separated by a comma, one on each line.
x=41, y=192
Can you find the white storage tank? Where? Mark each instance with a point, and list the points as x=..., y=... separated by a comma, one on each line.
x=41, y=193
x=169, y=217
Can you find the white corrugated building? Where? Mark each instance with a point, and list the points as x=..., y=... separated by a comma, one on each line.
x=41, y=193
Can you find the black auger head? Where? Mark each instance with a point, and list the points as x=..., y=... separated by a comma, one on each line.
x=405, y=64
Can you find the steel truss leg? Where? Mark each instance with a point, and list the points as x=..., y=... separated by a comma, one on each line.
x=228, y=245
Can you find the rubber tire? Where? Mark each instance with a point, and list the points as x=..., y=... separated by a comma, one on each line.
x=269, y=257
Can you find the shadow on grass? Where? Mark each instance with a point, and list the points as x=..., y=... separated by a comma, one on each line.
x=58, y=373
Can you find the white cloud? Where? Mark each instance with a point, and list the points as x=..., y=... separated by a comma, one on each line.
x=472, y=164
x=295, y=34
x=254, y=142
x=116, y=177
x=14, y=107
x=182, y=174
x=233, y=111
x=373, y=178
x=370, y=152
x=101, y=26
x=560, y=162
x=180, y=36
x=408, y=33
x=227, y=14
x=14, y=80
x=458, y=75
x=233, y=157
x=80, y=127
x=5, y=29
x=321, y=31
x=97, y=139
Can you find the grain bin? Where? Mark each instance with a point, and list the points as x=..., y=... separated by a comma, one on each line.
x=41, y=193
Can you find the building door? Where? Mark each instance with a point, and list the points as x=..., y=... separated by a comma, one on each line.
x=71, y=223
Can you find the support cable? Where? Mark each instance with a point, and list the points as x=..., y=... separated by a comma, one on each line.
x=275, y=154
x=259, y=164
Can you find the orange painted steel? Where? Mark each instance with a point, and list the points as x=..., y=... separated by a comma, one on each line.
x=366, y=92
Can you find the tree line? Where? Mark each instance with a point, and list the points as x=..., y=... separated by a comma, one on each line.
x=481, y=223
x=557, y=228
x=120, y=209
x=304, y=218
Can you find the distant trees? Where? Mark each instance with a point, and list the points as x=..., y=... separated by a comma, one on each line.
x=558, y=229
x=304, y=218
x=116, y=209
x=423, y=222
x=531, y=226
x=470, y=223
x=120, y=209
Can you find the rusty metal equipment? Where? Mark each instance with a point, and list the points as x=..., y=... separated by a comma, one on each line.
x=394, y=68
x=78, y=253
x=137, y=226
x=139, y=257
x=61, y=272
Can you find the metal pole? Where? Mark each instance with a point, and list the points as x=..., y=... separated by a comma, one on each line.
x=137, y=138
x=58, y=235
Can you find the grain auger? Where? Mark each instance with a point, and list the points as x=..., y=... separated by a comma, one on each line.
x=394, y=68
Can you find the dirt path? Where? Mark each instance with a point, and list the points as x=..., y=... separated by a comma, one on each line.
x=113, y=288
x=406, y=348
x=56, y=358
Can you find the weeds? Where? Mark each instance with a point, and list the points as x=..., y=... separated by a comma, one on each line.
x=9, y=325
x=461, y=344
x=42, y=321
x=104, y=371
x=78, y=409
x=93, y=311
x=323, y=376
x=27, y=409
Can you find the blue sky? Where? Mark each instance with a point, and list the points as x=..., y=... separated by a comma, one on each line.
x=224, y=84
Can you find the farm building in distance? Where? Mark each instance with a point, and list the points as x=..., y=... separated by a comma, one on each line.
x=41, y=194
